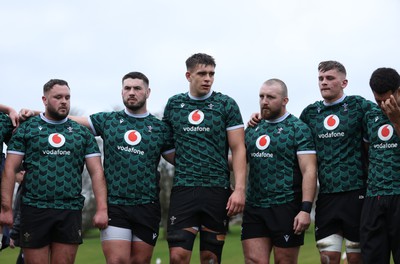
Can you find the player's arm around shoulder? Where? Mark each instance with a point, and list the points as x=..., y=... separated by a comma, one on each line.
x=236, y=143
x=96, y=173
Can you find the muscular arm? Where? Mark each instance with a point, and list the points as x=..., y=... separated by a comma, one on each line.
x=308, y=167
x=11, y=167
x=95, y=169
x=236, y=143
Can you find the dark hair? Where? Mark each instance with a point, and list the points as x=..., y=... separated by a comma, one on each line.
x=136, y=75
x=324, y=66
x=384, y=79
x=49, y=85
x=199, y=58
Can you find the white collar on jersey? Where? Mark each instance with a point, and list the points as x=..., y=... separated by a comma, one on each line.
x=137, y=115
x=279, y=119
x=338, y=101
x=45, y=119
x=201, y=98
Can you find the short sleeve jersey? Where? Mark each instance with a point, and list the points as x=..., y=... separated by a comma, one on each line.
x=384, y=155
x=200, y=129
x=54, y=157
x=132, y=148
x=272, y=153
x=6, y=129
x=338, y=135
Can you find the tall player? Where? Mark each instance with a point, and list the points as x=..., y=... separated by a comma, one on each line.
x=282, y=180
x=380, y=229
x=205, y=125
x=54, y=150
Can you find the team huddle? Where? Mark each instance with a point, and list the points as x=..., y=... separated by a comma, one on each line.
x=346, y=144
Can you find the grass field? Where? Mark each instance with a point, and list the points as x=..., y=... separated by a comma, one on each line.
x=90, y=251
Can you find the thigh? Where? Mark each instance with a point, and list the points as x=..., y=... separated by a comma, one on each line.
x=63, y=253
x=286, y=255
x=256, y=249
x=36, y=255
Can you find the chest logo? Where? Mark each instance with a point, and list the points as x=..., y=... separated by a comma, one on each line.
x=263, y=142
x=196, y=117
x=331, y=122
x=132, y=137
x=56, y=140
x=385, y=132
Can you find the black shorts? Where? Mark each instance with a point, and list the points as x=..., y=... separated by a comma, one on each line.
x=380, y=229
x=41, y=226
x=275, y=223
x=339, y=213
x=198, y=206
x=143, y=219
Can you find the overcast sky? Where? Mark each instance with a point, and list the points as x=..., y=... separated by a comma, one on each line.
x=92, y=44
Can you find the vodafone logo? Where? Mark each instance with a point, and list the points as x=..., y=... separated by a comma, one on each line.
x=263, y=142
x=385, y=132
x=132, y=137
x=56, y=140
x=331, y=122
x=196, y=117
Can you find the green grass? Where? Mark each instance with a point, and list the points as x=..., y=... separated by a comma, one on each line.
x=90, y=251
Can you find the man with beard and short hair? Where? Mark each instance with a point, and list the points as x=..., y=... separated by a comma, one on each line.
x=55, y=150
x=282, y=180
x=133, y=141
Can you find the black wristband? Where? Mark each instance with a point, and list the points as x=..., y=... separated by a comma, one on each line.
x=306, y=206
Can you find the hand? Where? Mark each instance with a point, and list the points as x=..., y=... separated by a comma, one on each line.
x=391, y=109
x=100, y=219
x=6, y=217
x=14, y=118
x=24, y=114
x=236, y=202
x=301, y=222
x=255, y=118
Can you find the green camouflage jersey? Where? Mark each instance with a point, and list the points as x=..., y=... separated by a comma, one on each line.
x=132, y=148
x=384, y=155
x=272, y=149
x=200, y=127
x=54, y=156
x=6, y=129
x=338, y=135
